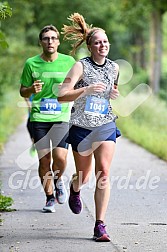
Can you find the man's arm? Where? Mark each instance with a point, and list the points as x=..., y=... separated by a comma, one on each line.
x=36, y=87
x=26, y=92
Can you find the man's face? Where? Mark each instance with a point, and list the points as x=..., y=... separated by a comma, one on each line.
x=50, y=42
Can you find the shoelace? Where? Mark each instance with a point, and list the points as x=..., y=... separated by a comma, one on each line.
x=50, y=202
x=60, y=185
x=59, y=188
x=101, y=228
x=59, y=192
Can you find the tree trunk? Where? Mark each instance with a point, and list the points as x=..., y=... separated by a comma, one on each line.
x=138, y=55
x=141, y=52
x=155, y=50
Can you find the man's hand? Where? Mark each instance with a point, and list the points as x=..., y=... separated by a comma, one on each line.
x=37, y=86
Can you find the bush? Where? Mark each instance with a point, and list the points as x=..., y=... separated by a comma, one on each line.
x=5, y=203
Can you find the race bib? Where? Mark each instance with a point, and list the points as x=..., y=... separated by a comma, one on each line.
x=50, y=106
x=95, y=105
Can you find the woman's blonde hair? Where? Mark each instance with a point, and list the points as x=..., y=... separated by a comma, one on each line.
x=79, y=31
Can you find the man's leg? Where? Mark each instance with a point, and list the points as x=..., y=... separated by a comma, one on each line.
x=58, y=135
x=42, y=144
x=59, y=164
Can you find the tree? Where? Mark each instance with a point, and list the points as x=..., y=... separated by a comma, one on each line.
x=158, y=8
x=5, y=11
x=138, y=14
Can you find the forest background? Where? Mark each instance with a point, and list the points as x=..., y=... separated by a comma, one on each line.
x=138, y=37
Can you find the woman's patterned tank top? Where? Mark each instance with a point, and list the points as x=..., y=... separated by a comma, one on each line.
x=93, y=73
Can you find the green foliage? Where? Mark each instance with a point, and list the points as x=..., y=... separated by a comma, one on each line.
x=135, y=13
x=5, y=10
x=10, y=73
x=3, y=42
x=5, y=203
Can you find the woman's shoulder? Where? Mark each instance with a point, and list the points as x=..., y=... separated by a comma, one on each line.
x=85, y=59
x=113, y=63
x=86, y=62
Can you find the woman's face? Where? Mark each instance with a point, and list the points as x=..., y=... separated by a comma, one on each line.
x=99, y=45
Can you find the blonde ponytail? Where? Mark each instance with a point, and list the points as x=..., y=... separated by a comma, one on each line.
x=79, y=31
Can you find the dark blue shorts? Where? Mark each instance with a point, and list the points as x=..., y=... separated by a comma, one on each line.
x=81, y=139
x=30, y=128
x=45, y=133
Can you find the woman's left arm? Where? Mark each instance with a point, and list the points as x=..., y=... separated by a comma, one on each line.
x=115, y=92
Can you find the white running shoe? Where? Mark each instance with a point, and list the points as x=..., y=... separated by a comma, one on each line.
x=61, y=192
x=50, y=206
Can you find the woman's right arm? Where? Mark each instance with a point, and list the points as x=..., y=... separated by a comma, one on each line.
x=67, y=93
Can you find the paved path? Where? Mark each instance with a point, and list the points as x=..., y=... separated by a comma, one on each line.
x=136, y=217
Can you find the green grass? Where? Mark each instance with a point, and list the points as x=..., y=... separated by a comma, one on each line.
x=147, y=126
x=11, y=115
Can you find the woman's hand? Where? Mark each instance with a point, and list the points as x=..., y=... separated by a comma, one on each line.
x=114, y=93
x=95, y=88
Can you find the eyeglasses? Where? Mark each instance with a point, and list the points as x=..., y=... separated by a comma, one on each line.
x=47, y=39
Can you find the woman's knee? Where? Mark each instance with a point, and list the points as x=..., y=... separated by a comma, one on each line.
x=102, y=171
x=102, y=177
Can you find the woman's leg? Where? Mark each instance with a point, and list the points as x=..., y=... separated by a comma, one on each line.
x=83, y=169
x=103, y=158
x=83, y=166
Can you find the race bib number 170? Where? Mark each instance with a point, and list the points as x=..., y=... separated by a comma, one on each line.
x=50, y=106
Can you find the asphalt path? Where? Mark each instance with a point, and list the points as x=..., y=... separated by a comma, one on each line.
x=136, y=217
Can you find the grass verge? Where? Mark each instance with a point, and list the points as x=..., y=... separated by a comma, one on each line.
x=146, y=126
x=11, y=115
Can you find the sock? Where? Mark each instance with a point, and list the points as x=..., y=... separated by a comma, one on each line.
x=55, y=182
x=49, y=197
x=72, y=191
x=98, y=222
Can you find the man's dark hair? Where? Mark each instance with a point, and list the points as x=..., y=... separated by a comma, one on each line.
x=48, y=28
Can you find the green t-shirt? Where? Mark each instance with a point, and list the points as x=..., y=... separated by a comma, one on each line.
x=45, y=107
